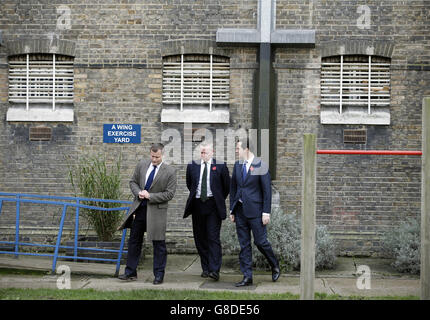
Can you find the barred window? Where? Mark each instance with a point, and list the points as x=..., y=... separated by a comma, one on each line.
x=358, y=82
x=196, y=80
x=41, y=79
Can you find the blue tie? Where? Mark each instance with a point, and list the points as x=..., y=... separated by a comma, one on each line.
x=244, y=171
x=150, y=178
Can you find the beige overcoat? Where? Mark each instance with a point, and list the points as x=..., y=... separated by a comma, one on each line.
x=162, y=190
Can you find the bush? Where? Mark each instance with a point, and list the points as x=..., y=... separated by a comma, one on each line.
x=94, y=180
x=403, y=245
x=284, y=234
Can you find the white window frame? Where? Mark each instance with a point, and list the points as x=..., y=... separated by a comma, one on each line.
x=363, y=87
x=204, y=99
x=212, y=77
x=45, y=88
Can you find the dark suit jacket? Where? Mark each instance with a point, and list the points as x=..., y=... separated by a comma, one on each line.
x=219, y=182
x=255, y=191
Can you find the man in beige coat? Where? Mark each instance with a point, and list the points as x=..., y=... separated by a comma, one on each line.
x=153, y=185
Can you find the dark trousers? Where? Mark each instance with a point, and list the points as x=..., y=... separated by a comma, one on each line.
x=135, y=242
x=244, y=226
x=206, y=230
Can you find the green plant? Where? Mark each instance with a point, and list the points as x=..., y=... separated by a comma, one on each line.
x=284, y=234
x=403, y=244
x=94, y=180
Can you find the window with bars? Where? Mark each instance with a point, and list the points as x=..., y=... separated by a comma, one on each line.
x=355, y=82
x=196, y=80
x=41, y=79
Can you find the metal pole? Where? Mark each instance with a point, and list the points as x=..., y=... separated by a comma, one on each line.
x=425, y=203
x=27, y=96
x=53, y=82
x=60, y=232
x=18, y=205
x=75, y=250
x=121, y=247
x=182, y=83
x=210, y=83
x=307, y=258
x=373, y=152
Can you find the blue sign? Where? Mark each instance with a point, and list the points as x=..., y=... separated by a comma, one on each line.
x=121, y=133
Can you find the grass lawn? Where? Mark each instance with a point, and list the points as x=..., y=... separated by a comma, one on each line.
x=148, y=294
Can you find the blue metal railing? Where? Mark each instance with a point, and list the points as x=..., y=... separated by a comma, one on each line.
x=65, y=202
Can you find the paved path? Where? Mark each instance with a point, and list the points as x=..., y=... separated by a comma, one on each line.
x=183, y=272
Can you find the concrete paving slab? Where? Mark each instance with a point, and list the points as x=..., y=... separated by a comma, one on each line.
x=183, y=273
x=223, y=285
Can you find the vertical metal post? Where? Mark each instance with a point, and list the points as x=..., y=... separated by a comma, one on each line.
x=264, y=110
x=341, y=84
x=27, y=98
x=182, y=83
x=369, y=80
x=121, y=247
x=18, y=207
x=53, y=82
x=307, y=258
x=60, y=232
x=75, y=251
x=425, y=202
x=210, y=83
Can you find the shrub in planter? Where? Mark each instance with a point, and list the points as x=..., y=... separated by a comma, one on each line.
x=403, y=245
x=284, y=234
x=94, y=180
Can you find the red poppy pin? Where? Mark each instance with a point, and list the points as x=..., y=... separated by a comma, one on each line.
x=251, y=168
x=214, y=168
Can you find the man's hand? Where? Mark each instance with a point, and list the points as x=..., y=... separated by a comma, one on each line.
x=265, y=219
x=232, y=218
x=144, y=194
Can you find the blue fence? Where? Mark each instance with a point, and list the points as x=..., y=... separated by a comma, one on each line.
x=65, y=202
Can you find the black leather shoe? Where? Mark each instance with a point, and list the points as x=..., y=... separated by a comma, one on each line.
x=214, y=275
x=205, y=274
x=276, y=273
x=158, y=280
x=245, y=282
x=125, y=277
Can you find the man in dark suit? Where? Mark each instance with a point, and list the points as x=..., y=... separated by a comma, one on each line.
x=209, y=185
x=153, y=185
x=250, y=205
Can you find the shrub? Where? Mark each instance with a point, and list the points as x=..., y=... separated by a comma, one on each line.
x=403, y=245
x=284, y=234
x=325, y=251
x=94, y=180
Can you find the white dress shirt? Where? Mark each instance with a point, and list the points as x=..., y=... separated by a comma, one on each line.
x=248, y=163
x=199, y=187
x=151, y=167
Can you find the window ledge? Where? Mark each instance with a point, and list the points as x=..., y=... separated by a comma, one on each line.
x=375, y=118
x=195, y=116
x=61, y=114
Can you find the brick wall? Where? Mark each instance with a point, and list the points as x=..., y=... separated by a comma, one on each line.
x=358, y=197
x=118, y=49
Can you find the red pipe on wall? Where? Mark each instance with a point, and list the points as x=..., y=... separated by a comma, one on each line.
x=375, y=152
